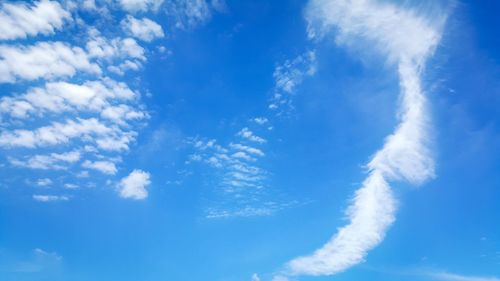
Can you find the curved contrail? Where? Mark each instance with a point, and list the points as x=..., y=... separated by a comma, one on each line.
x=406, y=40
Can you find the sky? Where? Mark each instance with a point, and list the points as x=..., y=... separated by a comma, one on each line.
x=249, y=140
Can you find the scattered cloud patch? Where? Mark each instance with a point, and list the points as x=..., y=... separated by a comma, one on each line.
x=53, y=161
x=44, y=182
x=288, y=76
x=255, y=277
x=456, y=277
x=106, y=167
x=249, y=135
x=187, y=14
x=46, y=60
x=260, y=120
x=135, y=6
x=50, y=198
x=144, y=29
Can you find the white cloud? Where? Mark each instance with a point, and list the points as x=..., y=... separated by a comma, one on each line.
x=370, y=214
x=288, y=76
x=260, y=120
x=455, y=277
x=280, y=278
x=63, y=100
x=397, y=32
x=134, y=185
x=43, y=60
x=106, y=167
x=255, y=277
x=115, y=48
x=87, y=130
x=240, y=181
x=70, y=186
x=249, y=135
x=144, y=29
x=20, y=20
x=53, y=161
x=188, y=13
x=291, y=73
x=47, y=255
x=140, y=5
x=91, y=96
x=44, y=182
x=407, y=40
x=246, y=148
x=49, y=198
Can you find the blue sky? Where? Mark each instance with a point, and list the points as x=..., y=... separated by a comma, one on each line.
x=249, y=140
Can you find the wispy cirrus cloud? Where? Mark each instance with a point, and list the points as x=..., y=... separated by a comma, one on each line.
x=405, y=39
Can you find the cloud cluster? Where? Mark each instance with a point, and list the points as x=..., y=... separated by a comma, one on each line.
x=237, y=162
x=69, y=110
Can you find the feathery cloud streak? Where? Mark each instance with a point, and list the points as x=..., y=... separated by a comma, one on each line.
x=407, y=40
x=456, y=277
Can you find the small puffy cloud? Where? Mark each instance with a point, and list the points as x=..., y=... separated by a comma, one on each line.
x=140, y=5
x=105, y=167
x=134, y=185
x=43, y=60
x=260, y=120
x=49, y=198
x=20, y=20
x=249, y=135
x=144, y=29
x=44, y=182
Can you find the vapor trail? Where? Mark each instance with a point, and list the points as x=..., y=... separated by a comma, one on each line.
x=406, y=40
